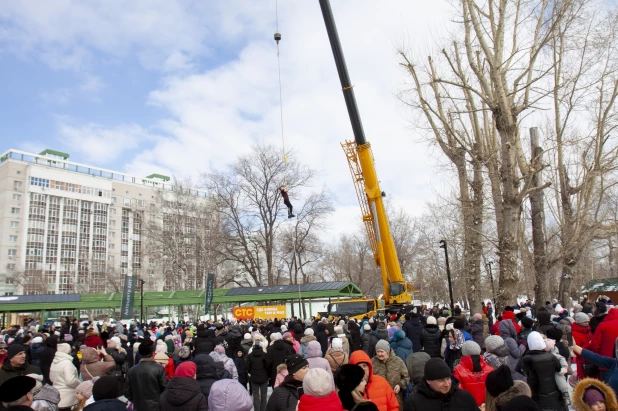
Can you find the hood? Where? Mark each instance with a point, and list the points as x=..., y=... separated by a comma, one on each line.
x=321, y=327
x=180, y=390
x=502, y=351
x=298, y=329
x=257, y=351
x=203, y=333
x=507, y=329
x=467, y=363
x=52, y=342
x=314, y=349
x=544, y=318
x=479, y=321
x=48, y=393
x=278, y=345
x=360, y=356
x=518, y=388
x=612, y=314
x=228, y=395
x=60, y=356
x=580, y=390
x=235, y=334
x=205, y=367
x=432, y=328
x=405, y=343
x=89, y=356
x=415, y=321
x=308, y=339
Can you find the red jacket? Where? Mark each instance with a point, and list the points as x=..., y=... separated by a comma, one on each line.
x=507, y=315
x=311, y=403
x=582, y=337
x=378, y=390
x=473, y=382
x=604, y=337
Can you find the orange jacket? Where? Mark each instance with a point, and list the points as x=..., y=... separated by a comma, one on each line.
x=378, y=390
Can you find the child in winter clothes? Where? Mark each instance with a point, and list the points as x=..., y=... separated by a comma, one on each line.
x=241, y=367
x=282, y=372
x=561, y=382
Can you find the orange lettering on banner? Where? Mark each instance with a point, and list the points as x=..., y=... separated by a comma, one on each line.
x=243, y=313
x=263, y=312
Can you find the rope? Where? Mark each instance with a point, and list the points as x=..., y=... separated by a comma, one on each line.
x=285, y=160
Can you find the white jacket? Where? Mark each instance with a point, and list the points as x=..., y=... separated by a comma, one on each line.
x=64, y=377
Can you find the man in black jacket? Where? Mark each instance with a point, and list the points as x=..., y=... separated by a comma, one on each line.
x=258, y=376
x=414, y=329
x=431, y=338
x=146, y=381
x=438, y=391
x=540, y=366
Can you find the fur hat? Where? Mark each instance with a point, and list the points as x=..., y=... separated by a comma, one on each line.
x=16, y=387
x=493, y=342
x=146, y=348
x=383, y=345
x=470, y=348
x=518, y=388
x=521, y=403
x=348, y=377
x=499, y=380
x=318, y=383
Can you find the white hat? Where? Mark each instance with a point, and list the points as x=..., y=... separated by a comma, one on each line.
x=309, y=331
x=536, y=341
x=367, y=327
x=431, y=320
x=337, y=343
x=318, y=383
x=247, y=336
x=37, y=340
x=275, y=337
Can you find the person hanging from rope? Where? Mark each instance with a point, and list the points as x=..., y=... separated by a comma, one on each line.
x=286, y=200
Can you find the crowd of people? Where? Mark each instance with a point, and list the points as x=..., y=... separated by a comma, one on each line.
x=530, y=357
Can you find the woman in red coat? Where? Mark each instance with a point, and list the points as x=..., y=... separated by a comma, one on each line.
x=582, y=335
x=472, y=371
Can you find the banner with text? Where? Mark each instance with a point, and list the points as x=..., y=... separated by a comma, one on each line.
x=263, y=312
x=128, y=295
x=210, y=289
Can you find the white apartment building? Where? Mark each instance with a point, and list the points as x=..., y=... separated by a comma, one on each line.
x=65, y=226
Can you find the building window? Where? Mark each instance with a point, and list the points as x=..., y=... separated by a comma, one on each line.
x=113, y=200
x=16, y=197
x=14, y=210
x=126, y=202
x=112, y=234
x=9, y=293
x=10, y=266
x=17, y=184
x=14, y=224
x=112, y=246
x=10, y=280
x=40, y=182
x=12, y=239
x=112, y=223
x=113, y=210
x=12, y=252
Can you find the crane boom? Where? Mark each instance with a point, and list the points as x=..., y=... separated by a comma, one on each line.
x=362, y=168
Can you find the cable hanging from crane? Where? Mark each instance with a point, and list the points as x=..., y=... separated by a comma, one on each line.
x=277, y=39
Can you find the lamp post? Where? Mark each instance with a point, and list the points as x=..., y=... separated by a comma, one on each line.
x=142, y=299
x=448, y=272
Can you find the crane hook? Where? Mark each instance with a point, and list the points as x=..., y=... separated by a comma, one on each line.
x=277, y=37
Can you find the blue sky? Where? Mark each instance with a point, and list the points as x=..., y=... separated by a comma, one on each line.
x=178, y=87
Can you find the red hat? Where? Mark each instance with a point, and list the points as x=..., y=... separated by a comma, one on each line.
x=187, y=369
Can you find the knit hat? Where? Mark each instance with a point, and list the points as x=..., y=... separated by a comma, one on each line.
x=592, y=396
x=399, y=335
x=16, y=387
x=499, y=380
x=521, y=403
x=309, y=331
x=287, y=335
x=577, y=308
x=64, y=348
x=85, y=388
x=318, y=383
x=337, y=343
x=493, y=342
x=295, y=363
x=581, y=318
x=527, y=322
x=146, y=348
x=13, y=350
x=275, y=337
x=184, y=352
x=381, y=326
x=187, y=369
x=536, y=341
x=105, y=388
x=383, y=345
x=554, y=333
x=470, y=348
x=247, y=336
x=348, y=377
x=436, y=369
x=431, y=320
x=367, y=327
x=219, y=349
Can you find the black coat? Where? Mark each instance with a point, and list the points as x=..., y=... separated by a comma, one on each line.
x=431, y=340
x=144, y=384
x=355, y=336
x=595, y=321
x=540, y=368
x=256, y=366
x=241, y=367
x=414, y=329
x=107, y=405
x=286, y=396
x=204, y=343
x=233, y=339
x=182, y=394
x=208, y=371
x=322, y=338
x=46, y=357
x=275, y=356
x=425, y=399
x=368, y=343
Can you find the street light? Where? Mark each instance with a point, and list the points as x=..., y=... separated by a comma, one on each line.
x=142, y=299
x=448, y=272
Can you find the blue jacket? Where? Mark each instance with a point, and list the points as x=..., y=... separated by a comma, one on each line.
x=611, y=376
x=402, y=348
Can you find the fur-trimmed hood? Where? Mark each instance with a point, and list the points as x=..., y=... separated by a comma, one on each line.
x=578, y=395
x=518, y=388
x=307, y=339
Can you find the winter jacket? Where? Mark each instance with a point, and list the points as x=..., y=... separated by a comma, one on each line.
x=182, y=394
x=355, y=335
x=381, y=335
x=241, y=367
x=415, y=363
x=336, y=359
x=276, y=355
x=582, y=337
x=413, y=329
x=233, y=340
x=7, y=372
x=377, y=389
x=394, y=370
x=256, y=366
x=46, y=399
x=35, y=353
x=286, y=396
x=107, y=405
x=596, y=320
x=207, y=373
x=470, y=380
x=580, y=389
x=604, y=338
x=509, y=335
x=345, y=343
x=476, y=328
x=144, y=384
x=228, y=364
x=321, y=336
x=540, y=368
x=246, y=346
x=204, y=343
x=368, y=343
x=544, y=321
x=314, y=357
x=431, y=340
x=425, y=399
x=402, y=348
x=608, y=363
x=304, y=342
x=47, y=356
x=498, y=357
x=329, y=403
x=91, y=366
x=64, y=377
x=226, y=395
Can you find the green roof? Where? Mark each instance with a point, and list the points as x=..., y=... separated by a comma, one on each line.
x=174, y=298
x=159, y=176
x=65, y=156
x=602, y=285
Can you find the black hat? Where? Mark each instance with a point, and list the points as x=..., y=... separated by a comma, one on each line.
x=13, y=350
x=457, y=311
x=459, y=324
x=146, y=348
x=436, y=369
x=527, y=322
x=601, y=307
x=219, y=326
x=508, y=308
x=295, y=363
x=554, y=333
x=105, y=388
x=348, y=376
x=16, y=387
x=499, y=380
x=521, y=403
